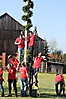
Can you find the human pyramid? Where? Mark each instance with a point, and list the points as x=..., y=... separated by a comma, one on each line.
x=15, y=65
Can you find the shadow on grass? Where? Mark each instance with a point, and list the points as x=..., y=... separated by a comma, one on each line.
x=6, y=91
x=49, y=93
x=44, y=93
x=52, y=96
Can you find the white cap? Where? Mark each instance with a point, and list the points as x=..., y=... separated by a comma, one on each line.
x=39, y=54
x=43, y=56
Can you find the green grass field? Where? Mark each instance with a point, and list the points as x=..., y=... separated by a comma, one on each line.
x=46, y=87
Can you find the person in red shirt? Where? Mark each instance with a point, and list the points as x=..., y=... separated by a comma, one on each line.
x=23, y=79
x=14, y=61
x=1, y=81
x=20, y=42
x=37, y=61
x=59, y=79
x=31, y=43
x=11, y=79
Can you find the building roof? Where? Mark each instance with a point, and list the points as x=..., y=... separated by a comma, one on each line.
x=3, y=15
x=6, y=14
x=56, y=63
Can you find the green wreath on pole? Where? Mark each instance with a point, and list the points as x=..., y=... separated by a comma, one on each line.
x=26, y=17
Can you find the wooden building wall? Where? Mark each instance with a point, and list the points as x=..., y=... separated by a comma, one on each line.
x=9, y=31
x=56, y=69
x=38, y=45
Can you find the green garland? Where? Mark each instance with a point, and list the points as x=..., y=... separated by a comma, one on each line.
x=29, y=14
x=26, y=17
x=26, y=9
x=24, y=0
x=27, y=27
x=30, y=5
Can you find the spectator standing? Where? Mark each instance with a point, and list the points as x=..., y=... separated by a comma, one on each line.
x=23, y=79
x=13, y=60
x=20, y=42
x=11, y=79
x=1, y=81
x=59, y=79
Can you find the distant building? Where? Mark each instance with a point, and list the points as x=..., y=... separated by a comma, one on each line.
x=52, y=67
x=55, y=67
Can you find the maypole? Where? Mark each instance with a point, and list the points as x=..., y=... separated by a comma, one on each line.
x=28, y=24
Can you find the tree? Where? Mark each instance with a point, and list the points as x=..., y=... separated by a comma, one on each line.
x=64, y=61
x=64, y=58
x=53, y=45
x=56, y=56
x=28, y=24
x=59, y=55
x=46, y=47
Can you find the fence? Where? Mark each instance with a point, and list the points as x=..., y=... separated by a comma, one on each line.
x=3, y=59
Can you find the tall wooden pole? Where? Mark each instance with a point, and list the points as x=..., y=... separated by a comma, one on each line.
x=25, y=50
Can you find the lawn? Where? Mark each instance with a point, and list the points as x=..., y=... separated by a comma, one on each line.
x=46, y=87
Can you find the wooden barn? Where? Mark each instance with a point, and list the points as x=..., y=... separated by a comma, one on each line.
x=52, y=67
x=38, y=45
x=9, y=31
x=55, y=67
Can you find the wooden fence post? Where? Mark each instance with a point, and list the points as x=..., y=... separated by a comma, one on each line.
x=3, y=59
x=46, y=71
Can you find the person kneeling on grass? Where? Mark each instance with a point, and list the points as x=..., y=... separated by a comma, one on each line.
x=59, y=79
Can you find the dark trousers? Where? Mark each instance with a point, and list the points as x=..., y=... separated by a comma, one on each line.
x=14, y=85
x=31, y=48
x=36, y=76
x=1, y=87
x=58, y=92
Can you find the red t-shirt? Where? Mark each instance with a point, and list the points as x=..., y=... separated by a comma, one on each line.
x=11, y=73
x=1, y=73
x=23, y=71
x=37, y=62
x=14, y=61
x=59, y=77
x=21, y=45
x=31, y=40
